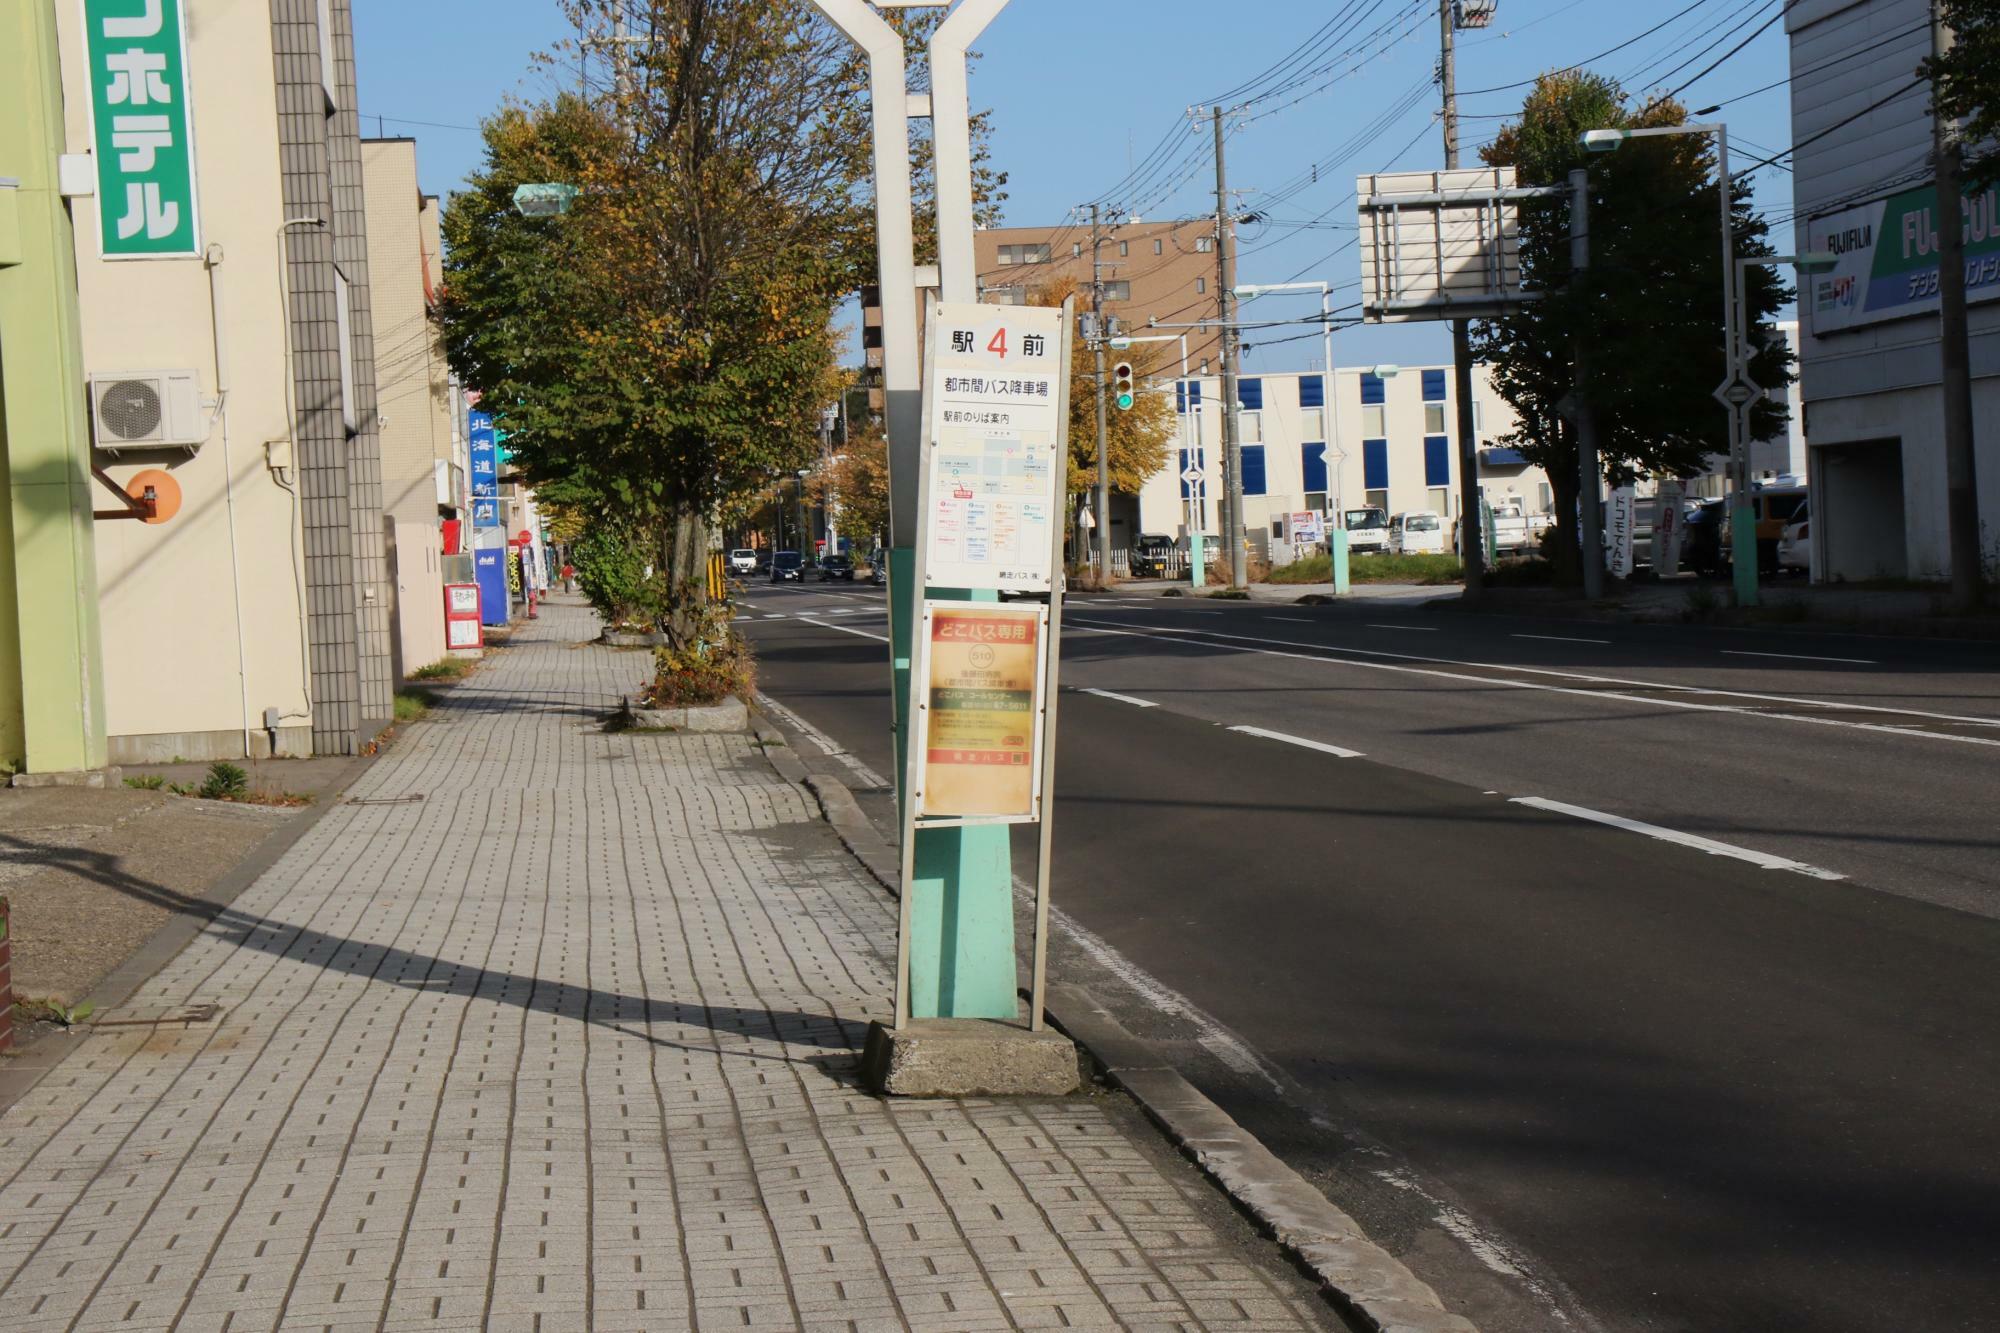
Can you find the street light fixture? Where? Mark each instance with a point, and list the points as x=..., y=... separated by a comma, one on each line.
x=544, y=200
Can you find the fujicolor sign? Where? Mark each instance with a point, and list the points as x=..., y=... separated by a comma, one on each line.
x=142, y=128
x=1888, y=258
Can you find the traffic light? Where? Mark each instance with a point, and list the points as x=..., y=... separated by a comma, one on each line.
x=1126, y=393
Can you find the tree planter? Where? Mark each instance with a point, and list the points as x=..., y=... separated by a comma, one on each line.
x=618, y=638
x=732, y=715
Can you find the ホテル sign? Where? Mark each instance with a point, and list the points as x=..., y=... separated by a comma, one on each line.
x=142, y=129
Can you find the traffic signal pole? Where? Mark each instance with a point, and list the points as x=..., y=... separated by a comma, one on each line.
x=1103, y=509
x=1471, y=541
x=1232, y=345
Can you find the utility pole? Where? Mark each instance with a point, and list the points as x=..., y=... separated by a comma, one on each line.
x=1590, y=545
x=1472, y=534
x=1232, y=446
x=1103, y=509
x=1954, y=350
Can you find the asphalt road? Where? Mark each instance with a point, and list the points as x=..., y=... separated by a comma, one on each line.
x=1573, y=1072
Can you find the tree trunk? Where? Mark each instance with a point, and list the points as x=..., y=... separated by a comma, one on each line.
x=1563, y=550
x=686, y=562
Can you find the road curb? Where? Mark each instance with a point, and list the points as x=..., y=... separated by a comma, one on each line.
x=1369, y=1286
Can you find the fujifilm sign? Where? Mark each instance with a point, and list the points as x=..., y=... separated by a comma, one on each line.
x=1888, y=265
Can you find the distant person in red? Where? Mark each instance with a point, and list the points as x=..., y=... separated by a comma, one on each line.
x=569, y=578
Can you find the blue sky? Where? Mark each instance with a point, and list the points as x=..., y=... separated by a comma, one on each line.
x=1084, y=91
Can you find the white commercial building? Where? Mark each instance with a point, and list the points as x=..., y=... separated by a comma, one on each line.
x=1386, y=441
x=1870, y=352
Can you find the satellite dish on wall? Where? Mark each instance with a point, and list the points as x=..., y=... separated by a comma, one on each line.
x=166, y=493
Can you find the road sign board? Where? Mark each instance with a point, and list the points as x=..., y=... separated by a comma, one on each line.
x=1739, y=392
x=1192, y=476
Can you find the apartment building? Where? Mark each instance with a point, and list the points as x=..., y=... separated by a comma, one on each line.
x=1385, y=441
x=1151, y=270
x=423, y=464
x=1870, y=355
x=214, y=174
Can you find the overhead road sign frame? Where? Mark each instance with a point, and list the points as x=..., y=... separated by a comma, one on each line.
x=1442, y=244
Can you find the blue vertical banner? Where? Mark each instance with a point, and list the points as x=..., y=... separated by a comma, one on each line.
x=489, y=540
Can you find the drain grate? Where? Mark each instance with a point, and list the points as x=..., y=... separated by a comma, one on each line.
x=189, y=1014
x=414, y=798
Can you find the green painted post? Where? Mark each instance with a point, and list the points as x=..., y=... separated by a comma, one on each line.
x=1743, y=558
x=51, y=670
x=1336, y=547
x=962, y=961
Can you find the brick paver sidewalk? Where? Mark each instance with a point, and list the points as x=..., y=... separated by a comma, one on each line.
x=545, y=1027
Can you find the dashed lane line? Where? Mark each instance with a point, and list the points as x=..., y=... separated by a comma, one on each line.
x=1695, y=841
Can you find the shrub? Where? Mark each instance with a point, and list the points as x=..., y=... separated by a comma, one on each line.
x=448, y=668
x=718, y=664
x=611, y=563
x=413, y=704
x=147, y=782
x=225, y=782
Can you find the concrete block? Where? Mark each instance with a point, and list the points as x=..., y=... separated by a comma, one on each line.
x=731, y=716
x=90, y=777
x=968, y=1057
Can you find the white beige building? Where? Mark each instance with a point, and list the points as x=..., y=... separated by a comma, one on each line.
x=423, y=458
x=253, y=621
x=1387, y=441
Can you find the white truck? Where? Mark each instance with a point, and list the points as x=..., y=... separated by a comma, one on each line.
x=1367, y=530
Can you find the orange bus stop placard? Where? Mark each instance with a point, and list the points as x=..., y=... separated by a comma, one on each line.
x=981, y=741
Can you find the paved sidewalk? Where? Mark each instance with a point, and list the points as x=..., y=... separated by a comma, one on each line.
x=550, y=1028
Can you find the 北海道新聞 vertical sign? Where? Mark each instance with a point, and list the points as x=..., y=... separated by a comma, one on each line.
x=994, y=447
x=142, y=128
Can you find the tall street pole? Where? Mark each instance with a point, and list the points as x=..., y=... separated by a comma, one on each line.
x=1103, y=510
x=1232, y=347
x=1471, y=540
x=1743, y=517
x=1589, y=478
x=1954, y=350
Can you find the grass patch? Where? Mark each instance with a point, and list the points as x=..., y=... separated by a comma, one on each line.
x=1309, y=569
x=446, y=668
x=413, y=704
x=1432, y=570
x=147, y=782
x=55, y=1009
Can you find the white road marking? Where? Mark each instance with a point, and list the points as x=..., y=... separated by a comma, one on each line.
x=1123, y=698
x=1700, y=844
x=827, y=744
x=780, y=615
x=845, y=629
x=1153, y=631
x=1416, y=629
x=1292, y=620
x=1321, y=746
x=1219, y=1041
x=1558, y=638
x=1801, y=657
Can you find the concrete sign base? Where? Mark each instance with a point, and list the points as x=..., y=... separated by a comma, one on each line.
x=968, y=1058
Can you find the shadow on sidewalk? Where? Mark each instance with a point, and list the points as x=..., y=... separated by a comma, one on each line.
x=630, y=1015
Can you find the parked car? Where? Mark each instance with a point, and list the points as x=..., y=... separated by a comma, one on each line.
x=1419, y=532
x=1701, y=540
x=788, y=567
x=743, y=560
x=1795, y=545
x=1367, y=530
x=1776, y=506
x=1153, y=556
x=837, y=566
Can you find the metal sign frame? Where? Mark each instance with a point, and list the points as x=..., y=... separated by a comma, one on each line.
x=1442, y=244
x=1050, y=694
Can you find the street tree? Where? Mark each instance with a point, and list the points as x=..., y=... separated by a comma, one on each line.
x=1965, y=83
x=854, y=482
x=1649, y=307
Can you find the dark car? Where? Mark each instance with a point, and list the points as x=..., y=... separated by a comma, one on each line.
x=788, y=567
x=1154, y=557
x=1701, y=540
x=837, y=567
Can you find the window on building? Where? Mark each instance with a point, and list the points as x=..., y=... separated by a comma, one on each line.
x=1372, y=417
x=1006, y=296
x=1160, y=247
x=1201, y=284
x=1253, y=469
x=1434, y=386
x=1316, y=500
x=1278, y=524
x=1120, y=290
x=1125, y=247
x=1312, y=421
x=1437, y=460
x=1434, y=414
x=1076, y=249
x=1024, y=254
x=329, y=71
x=1373, y=390
x=1205, y=244
x=1312, y=458
x=343, y=322
x=1375, y=464
x=1379, y=498
x=1250, y=425
x=1440, y=498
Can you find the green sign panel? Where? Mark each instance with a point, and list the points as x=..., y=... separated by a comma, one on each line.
x=142, y=128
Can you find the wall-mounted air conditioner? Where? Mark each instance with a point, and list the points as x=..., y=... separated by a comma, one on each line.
x=148, y=409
